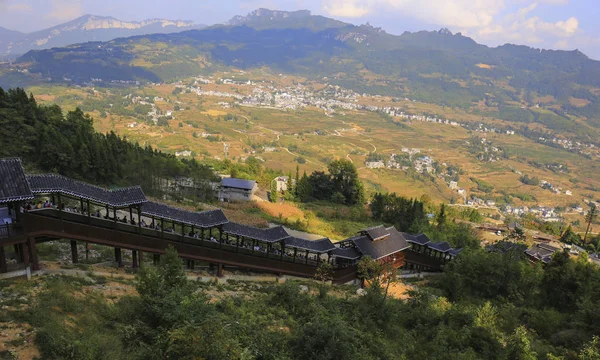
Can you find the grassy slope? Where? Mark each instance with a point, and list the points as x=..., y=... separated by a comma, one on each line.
x=361, y=133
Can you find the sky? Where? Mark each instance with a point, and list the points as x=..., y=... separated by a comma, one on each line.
x=549, y=24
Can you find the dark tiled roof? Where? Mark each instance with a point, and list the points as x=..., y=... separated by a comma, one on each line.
x=441, y=246
x=13, y=183
x=389, y=245
x=420, y=239
x=542, y=252
x=203, y=219
x=51, y=183
x=455, y=252
x=273, y=234
x=318, y=246
x=347, y=253
x=505, y=246
x=376, y=233
x=238, y=183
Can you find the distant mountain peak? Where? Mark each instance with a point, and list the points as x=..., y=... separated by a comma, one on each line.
x=86, y=28
x=444, y=31
x=95, y=22
x=269, y=15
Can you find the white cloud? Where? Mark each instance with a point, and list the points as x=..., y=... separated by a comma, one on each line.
x=346, y=8
x=19, y=7
x=63, y=10
x=462, y=13
x=493, y=22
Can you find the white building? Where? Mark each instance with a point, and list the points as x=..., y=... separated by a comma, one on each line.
x=232, y=189
x=375, y=164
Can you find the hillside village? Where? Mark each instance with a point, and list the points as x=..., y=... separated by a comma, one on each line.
x=333, y=98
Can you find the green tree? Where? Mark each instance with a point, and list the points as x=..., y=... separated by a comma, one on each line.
x=344, y=177
x=297, y=180
x=304, y=189
x=274, y=194
x=441, y=217
x=323, y=275
x=590, y=217
x=519, y=346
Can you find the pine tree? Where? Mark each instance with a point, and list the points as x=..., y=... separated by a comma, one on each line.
x=274, y=194
x=297, y=178
x=590, y=217
x=304, y=189
x=441, y=218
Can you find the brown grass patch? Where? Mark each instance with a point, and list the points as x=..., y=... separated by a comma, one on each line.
x=214, y=113
x=286, y=210
x=578, y=102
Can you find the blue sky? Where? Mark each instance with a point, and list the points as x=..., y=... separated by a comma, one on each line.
x=554, y=24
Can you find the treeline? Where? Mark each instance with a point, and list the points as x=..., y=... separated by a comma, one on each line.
x=553, y=310
x=484, y=306
x=339, y=185
x=411, y=215
x=49, y=141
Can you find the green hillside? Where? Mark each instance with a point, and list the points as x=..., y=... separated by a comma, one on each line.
x=436, y=67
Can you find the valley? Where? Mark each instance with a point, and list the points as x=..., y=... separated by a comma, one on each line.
x=398, y=144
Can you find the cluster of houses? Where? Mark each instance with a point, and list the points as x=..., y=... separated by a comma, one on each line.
x=557, y=190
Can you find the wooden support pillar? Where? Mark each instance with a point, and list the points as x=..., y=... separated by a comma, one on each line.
x=282, y=247
x=237, y=243
x=130, y=214
x=220, y=270
x=60, y=214
x=192, y=264
x=318, y=259
x=18, y=253
x=134, y=259
x=81, y=205
x=3, y=267
x=155, y=259
x=162, y=228
x=118, y=257
x=295, y=252
x=74, y=258
x=139, y=212
x=306, y=257
x=115, y=217
x=25, y=252
x=89, y=212
x=140, y=259
x=107, y=217
x=202, y=233
x=182, y=232
x=35, y=264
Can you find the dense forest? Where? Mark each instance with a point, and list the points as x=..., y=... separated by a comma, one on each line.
x=49, y=141
x=484, y=306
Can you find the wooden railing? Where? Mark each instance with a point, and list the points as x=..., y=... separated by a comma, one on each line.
x=50, y=223
x=8, y=230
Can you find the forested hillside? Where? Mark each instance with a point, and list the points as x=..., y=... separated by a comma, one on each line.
x=485, y=306
x=50, y=141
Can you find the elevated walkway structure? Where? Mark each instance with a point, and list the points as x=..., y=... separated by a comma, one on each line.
x=65, y=208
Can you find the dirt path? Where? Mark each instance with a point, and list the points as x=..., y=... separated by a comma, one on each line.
x=308, y=161
x=348, y=156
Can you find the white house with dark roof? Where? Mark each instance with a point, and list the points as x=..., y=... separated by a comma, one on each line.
x=233, y=189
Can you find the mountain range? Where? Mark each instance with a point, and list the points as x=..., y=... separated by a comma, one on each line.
x=84, y=29
x=432, y=66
